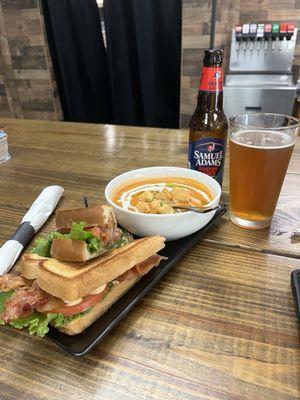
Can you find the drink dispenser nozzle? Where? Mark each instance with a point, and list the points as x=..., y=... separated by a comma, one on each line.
x=275, y=34
x=238, y=36
x=252, y=34
x=267, y=34
x=260, y=34
x=290, y=31
x=282, y=33
x=245, y=35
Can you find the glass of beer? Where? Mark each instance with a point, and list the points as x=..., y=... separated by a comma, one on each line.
x=260, y=148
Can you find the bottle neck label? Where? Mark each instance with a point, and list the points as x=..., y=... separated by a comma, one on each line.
x=207, y=155
x=211, y=79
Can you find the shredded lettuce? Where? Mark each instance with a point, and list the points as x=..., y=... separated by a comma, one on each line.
x=95, y=245
x=125, y=238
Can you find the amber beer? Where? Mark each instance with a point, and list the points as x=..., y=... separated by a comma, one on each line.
x=208, y=125
x=258, y=164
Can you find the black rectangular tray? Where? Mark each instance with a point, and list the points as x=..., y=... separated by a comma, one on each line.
x=79, y=345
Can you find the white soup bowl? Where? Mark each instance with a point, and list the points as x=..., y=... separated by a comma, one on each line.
x=171, y=226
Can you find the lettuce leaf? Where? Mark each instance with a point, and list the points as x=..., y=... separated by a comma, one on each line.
x=78, y=233
x=60, y=319
x=94, y=244
x=3, y=297
x=38, y=324
x=42, y=245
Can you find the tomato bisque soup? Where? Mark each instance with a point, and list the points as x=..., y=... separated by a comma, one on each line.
x=162, y=195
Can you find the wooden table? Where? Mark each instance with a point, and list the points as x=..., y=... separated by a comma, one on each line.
x=220, y=325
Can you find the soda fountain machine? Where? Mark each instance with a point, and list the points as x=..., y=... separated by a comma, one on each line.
x=260, y=75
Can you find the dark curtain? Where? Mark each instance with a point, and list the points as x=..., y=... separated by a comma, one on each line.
x=79, y=59
x=143, y=48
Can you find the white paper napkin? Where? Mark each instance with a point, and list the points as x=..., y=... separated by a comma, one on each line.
x=35, y=218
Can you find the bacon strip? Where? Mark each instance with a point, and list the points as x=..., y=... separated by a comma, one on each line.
x=142, y=268
x=51, y=304
x=23, y=301
x=10, y=281
x=108, y=236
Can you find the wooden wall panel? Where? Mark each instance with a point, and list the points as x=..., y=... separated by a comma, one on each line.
x=227, y=17
x=27, y=84
x=196, y=16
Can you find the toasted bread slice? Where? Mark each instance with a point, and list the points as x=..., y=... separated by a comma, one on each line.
x=81, y=323
x=71, y=250
x=70, y=281
x=92, y=216
x=30, y=264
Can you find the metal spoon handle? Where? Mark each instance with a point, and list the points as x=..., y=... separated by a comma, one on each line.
x=198, y=209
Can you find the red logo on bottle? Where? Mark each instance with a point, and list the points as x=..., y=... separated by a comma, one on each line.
x=211, y=147
x=211, y=79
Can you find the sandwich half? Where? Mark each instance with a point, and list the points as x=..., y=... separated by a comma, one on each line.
x=69, y=295
x=82, y=234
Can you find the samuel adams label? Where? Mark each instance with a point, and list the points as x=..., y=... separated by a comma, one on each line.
x=208, y=126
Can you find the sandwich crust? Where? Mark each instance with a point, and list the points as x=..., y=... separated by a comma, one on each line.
x=81, y=323
x=30, y=264
x=71, y=250
x=92, y=216
x=70, y=281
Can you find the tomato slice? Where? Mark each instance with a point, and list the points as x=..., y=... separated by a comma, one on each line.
x=87, y=302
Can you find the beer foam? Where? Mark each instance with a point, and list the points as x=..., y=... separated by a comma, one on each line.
x=262, y=139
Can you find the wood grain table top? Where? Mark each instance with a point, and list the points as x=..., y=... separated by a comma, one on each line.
x=220, y=325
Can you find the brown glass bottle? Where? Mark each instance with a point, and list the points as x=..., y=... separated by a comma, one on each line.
x=208, y=125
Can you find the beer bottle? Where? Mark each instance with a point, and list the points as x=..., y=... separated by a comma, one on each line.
x=208, y=125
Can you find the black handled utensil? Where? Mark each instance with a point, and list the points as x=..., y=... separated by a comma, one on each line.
x=295, y=278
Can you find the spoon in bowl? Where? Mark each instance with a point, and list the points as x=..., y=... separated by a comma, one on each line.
x=201, y=210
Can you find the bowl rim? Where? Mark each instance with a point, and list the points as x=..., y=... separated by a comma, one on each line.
x=176, y=215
